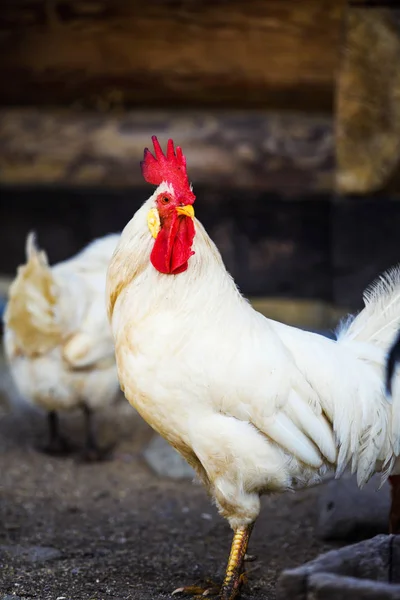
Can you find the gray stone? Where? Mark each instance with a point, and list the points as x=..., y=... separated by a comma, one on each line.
x=395, y=562
x=292, y=584
x=31, y=553
x=363, y=571
x=166, y=461
x=366, y=560
x=348, y=513
x=325, y=586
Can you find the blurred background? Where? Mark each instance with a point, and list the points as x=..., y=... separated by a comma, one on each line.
x=288, y=112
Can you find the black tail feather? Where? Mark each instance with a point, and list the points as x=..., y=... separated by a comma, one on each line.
x=392, y=360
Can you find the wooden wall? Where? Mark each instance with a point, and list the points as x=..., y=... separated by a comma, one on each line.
x=368, y=100
x=292, y=154
x=246, y=86
x=270, y=54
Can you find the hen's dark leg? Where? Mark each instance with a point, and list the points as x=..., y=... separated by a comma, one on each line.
x=57, y=444
x=235, y=575
x=394, y=519
x=92, y=452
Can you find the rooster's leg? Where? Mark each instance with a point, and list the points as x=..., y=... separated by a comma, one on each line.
x=235, y=574
x=92, y=452
x=57, y=444
x=394, y=523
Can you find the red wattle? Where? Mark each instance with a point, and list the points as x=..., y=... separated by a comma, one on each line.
x=173, y=245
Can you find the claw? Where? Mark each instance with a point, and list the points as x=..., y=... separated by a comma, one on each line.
x=250, y=557
x=235, y=575
x=198, y=591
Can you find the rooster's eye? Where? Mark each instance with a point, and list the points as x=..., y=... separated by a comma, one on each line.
x=164, y=199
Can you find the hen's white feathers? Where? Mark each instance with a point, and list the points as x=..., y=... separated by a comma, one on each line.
x=56, y=325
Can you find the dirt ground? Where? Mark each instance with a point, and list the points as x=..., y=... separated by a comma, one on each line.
x=71, y=531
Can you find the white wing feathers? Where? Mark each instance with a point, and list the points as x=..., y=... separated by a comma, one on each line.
x=84, y=350
x=316, y=426
x=284, y=432
x=300, y=431
x=281, y=403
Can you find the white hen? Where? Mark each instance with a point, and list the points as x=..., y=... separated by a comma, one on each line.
x=57, y=339
x=253, y=405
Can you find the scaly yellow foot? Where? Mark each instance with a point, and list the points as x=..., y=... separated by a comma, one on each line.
x=235, y=575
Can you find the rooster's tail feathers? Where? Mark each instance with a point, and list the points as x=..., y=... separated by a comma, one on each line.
x=379, y=321
x=370, y=335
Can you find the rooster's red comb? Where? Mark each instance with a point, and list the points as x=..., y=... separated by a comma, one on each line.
x=170, y=168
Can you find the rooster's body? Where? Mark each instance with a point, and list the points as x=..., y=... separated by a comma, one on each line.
x=253, y=405
x=57, y=339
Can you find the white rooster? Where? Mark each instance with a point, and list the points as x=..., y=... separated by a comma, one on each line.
x=57, y=339
x=253, y=405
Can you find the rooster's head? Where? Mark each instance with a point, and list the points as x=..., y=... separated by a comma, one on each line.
x=171, y=219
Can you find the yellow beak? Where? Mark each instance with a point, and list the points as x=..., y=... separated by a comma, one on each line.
x=187, y=211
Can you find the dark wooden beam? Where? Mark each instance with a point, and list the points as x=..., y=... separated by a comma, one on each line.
x=368, y=103
x=364, y=243
x=110, y=53
x=288, y=153
x=314, y=249
x=271, y=247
